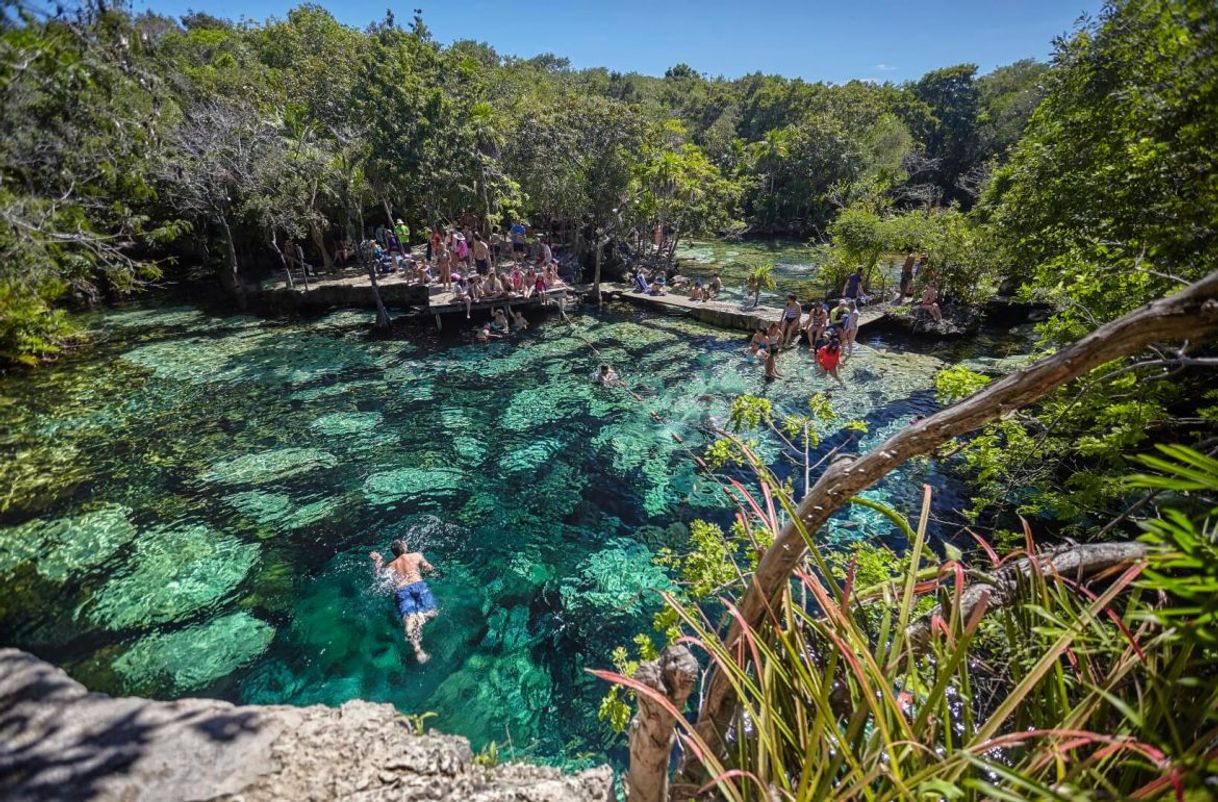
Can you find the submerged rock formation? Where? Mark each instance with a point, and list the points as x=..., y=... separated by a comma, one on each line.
x=58, y=741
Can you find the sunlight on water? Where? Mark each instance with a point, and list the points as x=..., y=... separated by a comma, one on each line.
x=190, y=506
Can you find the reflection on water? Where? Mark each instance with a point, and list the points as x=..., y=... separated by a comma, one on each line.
x=189, y=508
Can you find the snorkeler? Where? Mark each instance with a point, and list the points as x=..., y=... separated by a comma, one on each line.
x=414, y=600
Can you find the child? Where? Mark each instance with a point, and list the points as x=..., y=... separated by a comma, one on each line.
x=828, y=356
x=759, y=342
x=539, y=288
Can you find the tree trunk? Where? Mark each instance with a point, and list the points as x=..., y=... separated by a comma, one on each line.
x=672, y=248
x=599, y=247
x=1190, y=314
x=382, y=314
x=388, y=211
x=651, y=737
x=320, y=243
x=230, y=277
x=283, y=262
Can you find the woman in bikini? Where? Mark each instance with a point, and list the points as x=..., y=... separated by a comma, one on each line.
x=790, y=320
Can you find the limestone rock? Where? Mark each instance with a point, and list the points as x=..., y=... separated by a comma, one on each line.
x=62, y=742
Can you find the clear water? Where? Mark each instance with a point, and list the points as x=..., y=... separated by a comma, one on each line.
x=796, y=267
x=188, y=508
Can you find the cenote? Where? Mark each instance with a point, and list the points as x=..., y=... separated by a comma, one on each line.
x=191, y=502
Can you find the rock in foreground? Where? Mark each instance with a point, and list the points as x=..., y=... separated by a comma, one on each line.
x=58, y=741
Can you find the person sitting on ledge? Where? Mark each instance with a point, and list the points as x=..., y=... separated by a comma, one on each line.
x=415, y=603
x=697, y=293
x=716, y=286
x=640, y=282
x=930, y=303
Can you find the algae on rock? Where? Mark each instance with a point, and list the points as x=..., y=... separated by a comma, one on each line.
x=189, y=658
x=174, y=572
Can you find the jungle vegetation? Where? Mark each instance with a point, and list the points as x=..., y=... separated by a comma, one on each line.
x=136, y=148
x=139, y=148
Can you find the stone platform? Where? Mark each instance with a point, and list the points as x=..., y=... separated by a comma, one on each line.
x=729, y=315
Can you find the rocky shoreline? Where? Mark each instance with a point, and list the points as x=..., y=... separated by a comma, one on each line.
x=59, y=741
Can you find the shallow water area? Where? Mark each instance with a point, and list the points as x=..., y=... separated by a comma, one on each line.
x=189, y=507
x=796, y=266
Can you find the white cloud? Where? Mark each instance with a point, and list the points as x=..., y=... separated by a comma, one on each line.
x=883, y=67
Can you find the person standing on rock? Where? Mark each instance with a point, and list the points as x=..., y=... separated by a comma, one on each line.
x=414, y=600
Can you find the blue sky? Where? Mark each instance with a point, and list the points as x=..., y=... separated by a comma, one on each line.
x=883, y=40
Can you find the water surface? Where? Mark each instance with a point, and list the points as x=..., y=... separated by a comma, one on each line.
x=189, y=506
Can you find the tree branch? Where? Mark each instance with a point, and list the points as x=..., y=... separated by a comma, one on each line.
x=1191, y=313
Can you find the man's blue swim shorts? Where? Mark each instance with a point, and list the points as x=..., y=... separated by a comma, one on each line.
x=415, y=598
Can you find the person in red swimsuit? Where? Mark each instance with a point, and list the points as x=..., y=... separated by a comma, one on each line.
x=828, y=356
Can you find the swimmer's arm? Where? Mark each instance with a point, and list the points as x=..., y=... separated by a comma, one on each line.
x=378, y=562
x=426, y=566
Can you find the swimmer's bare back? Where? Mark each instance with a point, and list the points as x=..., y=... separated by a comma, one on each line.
x=406, y=570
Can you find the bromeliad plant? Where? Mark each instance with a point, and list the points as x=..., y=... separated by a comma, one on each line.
x=1083, y=672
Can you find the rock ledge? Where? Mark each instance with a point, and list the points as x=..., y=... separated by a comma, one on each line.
x=58, y=741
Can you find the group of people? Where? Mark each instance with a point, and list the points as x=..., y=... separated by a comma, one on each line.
x=831, y=333
x=456, y=259
x=658, y=284
x=500, y=325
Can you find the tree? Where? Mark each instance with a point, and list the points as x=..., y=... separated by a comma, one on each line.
x=942, y=112
x=78, y=141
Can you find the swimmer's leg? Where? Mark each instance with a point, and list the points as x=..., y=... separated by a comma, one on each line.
x=413, y=625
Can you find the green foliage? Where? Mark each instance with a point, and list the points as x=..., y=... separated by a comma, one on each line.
x=1069, y=689
x=707, y=565
x=416, y=723
x=1123, y=142
x=134, y=145
x=1186, y=563
x=957, y=382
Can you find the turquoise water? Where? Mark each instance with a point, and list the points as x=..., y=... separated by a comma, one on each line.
x=796, y=266
x=188, y=507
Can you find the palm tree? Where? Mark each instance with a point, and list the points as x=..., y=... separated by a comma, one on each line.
x=759, y=277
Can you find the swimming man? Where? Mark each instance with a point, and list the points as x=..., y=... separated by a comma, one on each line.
x=415, y=602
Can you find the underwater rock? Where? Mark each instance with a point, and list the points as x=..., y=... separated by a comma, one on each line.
x=268, y=466
x=34, y=476
x=673, y=536
x=339, y=388
x=529, y=457
x=615, y=582
x=389, y=486
x=512, y=685
x=271, y=357
x=470, y=449
x=508, y=630
x=65, y=546
x=169, y=316
x=340, y=423
x=278, y=509
x=174, y=572
x=194, y=656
